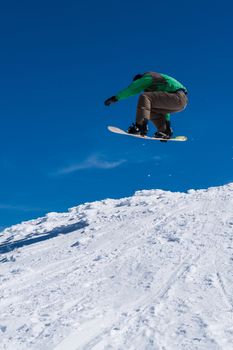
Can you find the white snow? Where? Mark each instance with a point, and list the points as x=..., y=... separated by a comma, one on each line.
x=153, y=271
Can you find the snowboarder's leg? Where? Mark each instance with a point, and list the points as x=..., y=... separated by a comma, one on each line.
x=144, y=108
x=159, y=121
x=159, y=102
x=142, y=117
x=157, y=106
x=163, y=125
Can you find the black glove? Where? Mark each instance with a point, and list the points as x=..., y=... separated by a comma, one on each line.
x=110, y=100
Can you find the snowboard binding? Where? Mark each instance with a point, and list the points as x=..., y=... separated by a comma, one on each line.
x=137, y=129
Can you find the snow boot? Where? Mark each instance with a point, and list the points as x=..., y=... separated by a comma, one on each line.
x=138, y=129
x=167, y=134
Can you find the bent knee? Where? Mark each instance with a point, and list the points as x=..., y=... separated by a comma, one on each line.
x=144, y=100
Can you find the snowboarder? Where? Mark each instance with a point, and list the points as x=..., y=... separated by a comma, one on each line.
x=162, y=95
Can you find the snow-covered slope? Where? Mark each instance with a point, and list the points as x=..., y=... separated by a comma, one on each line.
x=153, y=271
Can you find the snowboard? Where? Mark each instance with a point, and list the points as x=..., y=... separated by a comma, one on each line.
x=122, y=132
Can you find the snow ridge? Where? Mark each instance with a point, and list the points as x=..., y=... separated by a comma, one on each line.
x=152, y=271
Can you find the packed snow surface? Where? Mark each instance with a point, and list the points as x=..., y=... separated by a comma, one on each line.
x=152, y=271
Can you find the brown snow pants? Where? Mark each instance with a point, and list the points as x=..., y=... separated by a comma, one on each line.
x=155, y=105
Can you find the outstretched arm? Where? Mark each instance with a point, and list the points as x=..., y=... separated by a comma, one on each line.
x=136, y=87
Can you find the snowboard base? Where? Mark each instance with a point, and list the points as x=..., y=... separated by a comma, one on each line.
x=122, y=132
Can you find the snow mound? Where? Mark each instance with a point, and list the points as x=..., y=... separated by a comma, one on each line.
x=152, y=271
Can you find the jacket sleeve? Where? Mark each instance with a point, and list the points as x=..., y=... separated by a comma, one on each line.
x=136, y=87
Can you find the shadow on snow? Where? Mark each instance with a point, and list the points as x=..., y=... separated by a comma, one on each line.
x=62, y=230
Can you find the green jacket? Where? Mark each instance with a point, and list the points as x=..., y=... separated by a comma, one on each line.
x=151, y=81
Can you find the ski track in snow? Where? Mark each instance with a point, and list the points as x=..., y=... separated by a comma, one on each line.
x=152, y=271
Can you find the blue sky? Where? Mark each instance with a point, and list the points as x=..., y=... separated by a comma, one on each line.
x=61, y=59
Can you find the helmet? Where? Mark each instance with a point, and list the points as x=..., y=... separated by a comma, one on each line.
x=137, y=76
